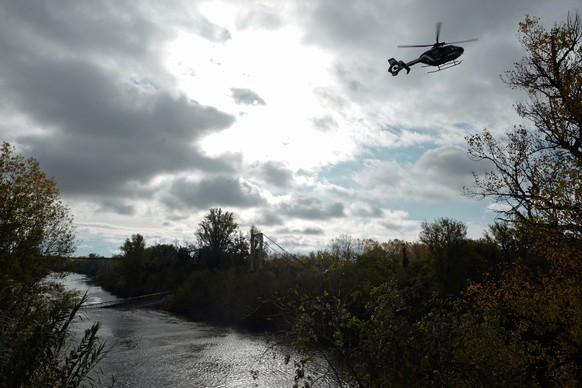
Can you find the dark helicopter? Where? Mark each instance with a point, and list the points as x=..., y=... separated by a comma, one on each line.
x=442, y=55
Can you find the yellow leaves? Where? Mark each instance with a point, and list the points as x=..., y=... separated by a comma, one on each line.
x=34, y=220
x=539, y=310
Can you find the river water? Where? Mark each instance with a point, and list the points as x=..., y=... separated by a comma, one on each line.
x=154, y=348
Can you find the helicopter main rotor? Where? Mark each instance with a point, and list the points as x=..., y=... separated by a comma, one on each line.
x=438, y=44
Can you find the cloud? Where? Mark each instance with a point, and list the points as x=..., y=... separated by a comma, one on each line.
x=103, y=111
x=246, y=96
x=312, y=231
x=361, y=209
x=212, y=192
x=325, y=123
x=310, y=208
x=265, y=15
x=438, y=175
x=118, y=208
x=276, y=174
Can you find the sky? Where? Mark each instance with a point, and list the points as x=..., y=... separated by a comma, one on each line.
x=148, y=114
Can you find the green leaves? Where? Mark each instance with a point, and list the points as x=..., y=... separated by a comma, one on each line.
x=36, y=315
x=35, y=324
x=33, y=220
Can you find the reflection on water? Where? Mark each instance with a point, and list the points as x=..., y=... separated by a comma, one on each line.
x=153, y=348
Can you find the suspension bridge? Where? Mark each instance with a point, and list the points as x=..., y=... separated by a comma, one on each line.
x=149, y=300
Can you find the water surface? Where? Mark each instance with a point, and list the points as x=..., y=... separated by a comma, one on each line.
x=154, y=348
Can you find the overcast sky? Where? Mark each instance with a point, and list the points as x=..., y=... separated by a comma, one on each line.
x=149, y=113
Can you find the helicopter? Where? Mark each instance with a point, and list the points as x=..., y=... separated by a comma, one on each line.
x=442, y=55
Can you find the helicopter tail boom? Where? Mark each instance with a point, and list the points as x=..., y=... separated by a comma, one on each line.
x=396, y=66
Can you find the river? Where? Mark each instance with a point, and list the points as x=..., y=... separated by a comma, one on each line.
x=154, y=348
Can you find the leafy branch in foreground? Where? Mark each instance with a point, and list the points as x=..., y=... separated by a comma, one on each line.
x=34, y=337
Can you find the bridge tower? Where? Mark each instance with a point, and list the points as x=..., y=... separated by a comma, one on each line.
x=257, y=252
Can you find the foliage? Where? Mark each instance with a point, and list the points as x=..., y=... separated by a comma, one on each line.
x=133, y=254
x=530, y=310
x=536, y=172
x=34, y=222
x=537, y=323
x=452, y=254
x=219, y=239
x=36, y=315
x=34, y=338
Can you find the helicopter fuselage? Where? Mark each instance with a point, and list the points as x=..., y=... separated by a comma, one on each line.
x=440, y=55
x=436, y=56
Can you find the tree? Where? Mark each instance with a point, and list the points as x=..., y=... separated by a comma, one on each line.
x=538, y=173
x=216, y=237
x=444, y=239
x=134, y=247
x=133, y=254
x=505, y=239
x=35, y=314
x=34, y=222
x=347, y=248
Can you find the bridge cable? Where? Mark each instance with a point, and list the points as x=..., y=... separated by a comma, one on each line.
x=283, y=249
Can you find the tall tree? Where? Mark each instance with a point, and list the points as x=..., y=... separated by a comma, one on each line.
x=537, y=176
x=35, y=315
x=444, y=238
x=34, y=222
x=133, y=254
x=216, y=235
x=538, y=172
x=345, y=247
x=504, y=236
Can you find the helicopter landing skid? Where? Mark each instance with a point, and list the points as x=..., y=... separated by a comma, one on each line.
x=444, y=67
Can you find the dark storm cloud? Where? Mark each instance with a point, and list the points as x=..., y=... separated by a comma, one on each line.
x=88, y=77
x=206, y=193
x=310, y=208
x=246, y=97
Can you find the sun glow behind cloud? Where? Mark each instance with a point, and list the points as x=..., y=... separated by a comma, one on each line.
x=283, y=72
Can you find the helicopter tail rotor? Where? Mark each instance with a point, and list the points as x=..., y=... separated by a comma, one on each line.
x=396, y=66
